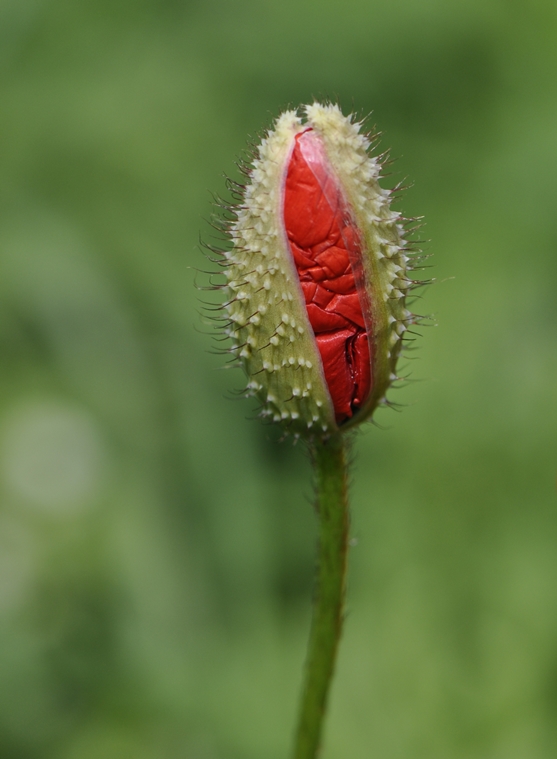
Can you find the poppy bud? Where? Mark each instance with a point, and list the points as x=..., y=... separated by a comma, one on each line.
x=316, y=274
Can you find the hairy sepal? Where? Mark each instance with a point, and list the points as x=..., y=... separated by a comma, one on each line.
x=269, y=325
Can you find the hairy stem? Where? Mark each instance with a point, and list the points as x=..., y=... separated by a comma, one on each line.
x=330, y=466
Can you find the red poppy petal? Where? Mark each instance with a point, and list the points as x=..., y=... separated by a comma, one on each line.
x=323, y=241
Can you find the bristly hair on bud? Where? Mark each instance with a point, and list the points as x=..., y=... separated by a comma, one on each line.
x=317, y=274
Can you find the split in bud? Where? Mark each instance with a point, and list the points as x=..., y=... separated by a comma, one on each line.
x=317, y=275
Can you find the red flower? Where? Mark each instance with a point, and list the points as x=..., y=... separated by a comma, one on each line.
x=317, y=275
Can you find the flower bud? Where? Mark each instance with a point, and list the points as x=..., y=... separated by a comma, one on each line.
x=316, y=275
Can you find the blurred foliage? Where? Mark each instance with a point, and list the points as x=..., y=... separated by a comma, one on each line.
x=156, y=548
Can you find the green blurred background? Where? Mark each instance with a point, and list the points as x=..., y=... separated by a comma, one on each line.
x=156, y=546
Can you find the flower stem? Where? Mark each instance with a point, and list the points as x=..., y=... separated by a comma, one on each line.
x=330, y=466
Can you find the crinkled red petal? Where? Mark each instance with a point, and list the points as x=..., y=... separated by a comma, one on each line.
x=323, y=241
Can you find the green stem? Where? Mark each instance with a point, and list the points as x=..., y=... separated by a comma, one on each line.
x=330, y=464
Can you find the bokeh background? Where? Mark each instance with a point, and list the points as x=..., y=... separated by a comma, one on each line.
x=156, y=545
